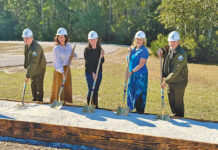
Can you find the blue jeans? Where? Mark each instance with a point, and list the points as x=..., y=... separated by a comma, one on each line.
x=90, y=80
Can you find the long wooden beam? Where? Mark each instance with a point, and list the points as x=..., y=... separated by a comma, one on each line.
x=92, y=137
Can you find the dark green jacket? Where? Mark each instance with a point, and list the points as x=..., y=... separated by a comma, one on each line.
x=34, y=61
x=175, y=68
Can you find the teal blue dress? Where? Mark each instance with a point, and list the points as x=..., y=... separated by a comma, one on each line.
x=138, y=81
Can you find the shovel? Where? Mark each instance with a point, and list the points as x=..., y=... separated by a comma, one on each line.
x=22, y=105
x=124, y=110
x=90, y=108
x=162, y=116
x=58, y=103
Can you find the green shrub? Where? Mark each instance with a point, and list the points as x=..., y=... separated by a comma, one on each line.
x=159, y=43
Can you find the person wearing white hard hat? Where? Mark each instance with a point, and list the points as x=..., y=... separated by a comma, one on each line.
x=175, y=73
x=61, y=55
x=91, y=55
x=138, y=74
x=35, y=63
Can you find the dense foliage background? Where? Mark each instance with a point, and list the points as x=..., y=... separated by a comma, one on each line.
x=116, y=21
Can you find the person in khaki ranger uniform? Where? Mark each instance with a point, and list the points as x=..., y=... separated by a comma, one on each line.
x=175, y=73
x=35, y=63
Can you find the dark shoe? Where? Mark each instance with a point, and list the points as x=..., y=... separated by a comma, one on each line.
x=41, y=100
x=140, y=112
x=95, y=99
x=34, y=99
x=179, y=115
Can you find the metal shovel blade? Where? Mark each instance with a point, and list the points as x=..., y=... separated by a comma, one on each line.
x=21, y=106
x=122, y=111
x=59, y=105
x=88, y=109
x=54, y=104
x=163, y=117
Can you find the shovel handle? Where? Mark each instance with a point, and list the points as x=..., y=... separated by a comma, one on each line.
x=96, y=76
x=24, y=89
x=161, y=81
x=161, y=73
x=61, y=89
x=126, y=79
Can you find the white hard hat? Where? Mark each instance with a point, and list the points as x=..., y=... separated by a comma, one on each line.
x=140, y=34
x=27, y=33
x=173, y=36
x=92, y=35
x=61, y=31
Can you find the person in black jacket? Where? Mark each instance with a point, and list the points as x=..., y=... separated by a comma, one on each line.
x=91, y=55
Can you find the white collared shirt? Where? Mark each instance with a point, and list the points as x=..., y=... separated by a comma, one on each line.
x=61, y=55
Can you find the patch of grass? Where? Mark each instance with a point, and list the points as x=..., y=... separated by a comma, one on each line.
x=201, y=97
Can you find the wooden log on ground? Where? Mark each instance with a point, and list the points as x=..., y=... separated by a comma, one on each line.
x=92, y=137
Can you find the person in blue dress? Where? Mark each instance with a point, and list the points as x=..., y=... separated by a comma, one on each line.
x=138, y=74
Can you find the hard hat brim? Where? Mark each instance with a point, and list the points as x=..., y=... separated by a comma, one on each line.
x=92, y=38
x=61, y=34
x=173, y=40
x=27, y=36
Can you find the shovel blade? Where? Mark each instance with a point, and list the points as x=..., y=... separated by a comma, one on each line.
x=122, y=111
x=85, y=108
x=88, y=109
x=54, y=104
x=59, y=105
x=21, y=106
x=163, y=117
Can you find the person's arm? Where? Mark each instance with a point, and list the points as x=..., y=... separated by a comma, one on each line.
x=143, y=58
x=25, y=57
x=140, y=65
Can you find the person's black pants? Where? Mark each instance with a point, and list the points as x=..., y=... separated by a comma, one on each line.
x=138, y=105
x=90, y=81
x=37, y=87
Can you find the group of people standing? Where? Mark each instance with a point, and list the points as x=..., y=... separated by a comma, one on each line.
x=175, y=69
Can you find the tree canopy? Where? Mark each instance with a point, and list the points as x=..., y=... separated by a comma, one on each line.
x=116, y=21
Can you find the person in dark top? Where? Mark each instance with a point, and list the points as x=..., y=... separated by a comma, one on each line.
x=91, y=55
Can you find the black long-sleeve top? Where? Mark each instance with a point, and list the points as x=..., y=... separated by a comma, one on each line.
x=91, y=57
